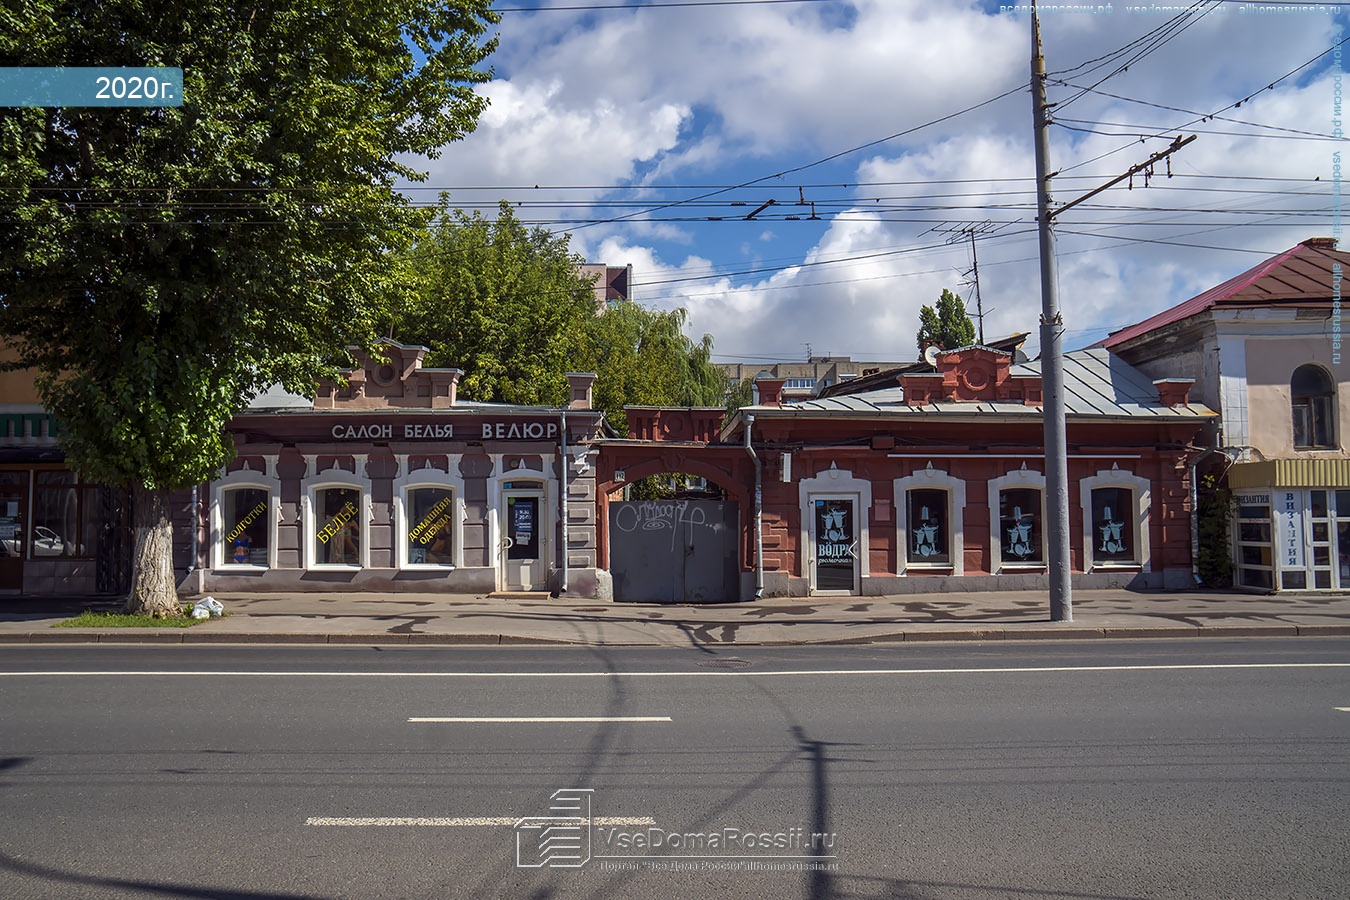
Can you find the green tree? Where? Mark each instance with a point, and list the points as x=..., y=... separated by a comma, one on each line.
x=948, y=325
x=162, y=265
x=739, y=394
x=508, y=305
x=501, y=301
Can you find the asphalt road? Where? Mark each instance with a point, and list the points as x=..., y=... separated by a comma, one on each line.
x=1168, y=769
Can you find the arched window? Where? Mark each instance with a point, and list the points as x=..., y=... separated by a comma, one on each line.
x=1313, y=399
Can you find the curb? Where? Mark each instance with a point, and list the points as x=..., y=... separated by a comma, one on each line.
x=1069, y=632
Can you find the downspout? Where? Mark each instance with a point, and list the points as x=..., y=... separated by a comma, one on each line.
x=562, y=503
x=1193, y=465
x=196, y=526
x=759, y=509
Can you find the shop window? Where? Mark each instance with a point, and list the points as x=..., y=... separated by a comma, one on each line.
x=929, y=527
x=246, y=531
x=430, y=537
x=1313, y=401
x=337, y=526
x=1020, y=526
x=65, y=517
x=1113, y=525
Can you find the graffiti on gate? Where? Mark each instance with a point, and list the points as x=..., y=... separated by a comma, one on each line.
x=659, y=515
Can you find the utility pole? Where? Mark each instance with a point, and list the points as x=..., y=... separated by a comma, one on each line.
x=1052, y=356
x=1052, y=334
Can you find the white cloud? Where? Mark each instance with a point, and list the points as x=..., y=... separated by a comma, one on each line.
x=718, y=96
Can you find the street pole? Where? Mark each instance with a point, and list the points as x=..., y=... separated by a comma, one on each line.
x=1052, y=357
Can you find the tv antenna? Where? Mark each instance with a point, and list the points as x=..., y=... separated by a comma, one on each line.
x=961, y=232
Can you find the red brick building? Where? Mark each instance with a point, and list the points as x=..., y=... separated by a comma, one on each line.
x=935, y=482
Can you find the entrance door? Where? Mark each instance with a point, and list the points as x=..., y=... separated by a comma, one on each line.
x=525, y=541
x=13, y=507
x=834, y=545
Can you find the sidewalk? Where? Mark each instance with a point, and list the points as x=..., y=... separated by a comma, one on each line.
x=467, y=619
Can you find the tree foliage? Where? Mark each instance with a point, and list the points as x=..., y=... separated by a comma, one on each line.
x=1214, y=512
x=947, y=325
x=508, y=305
x=159, y=266
x=642, y=357
x=501, y=301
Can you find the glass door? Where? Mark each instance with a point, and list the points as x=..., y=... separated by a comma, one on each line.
x=834, y=545
x=13, y=510
x=525, y=541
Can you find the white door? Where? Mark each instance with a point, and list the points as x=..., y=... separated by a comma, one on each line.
x=525, y=543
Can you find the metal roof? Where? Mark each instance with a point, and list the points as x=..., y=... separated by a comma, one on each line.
x=1096, y=384
x=1299, y=274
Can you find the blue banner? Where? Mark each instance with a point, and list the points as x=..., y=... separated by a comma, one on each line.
x=90, y=86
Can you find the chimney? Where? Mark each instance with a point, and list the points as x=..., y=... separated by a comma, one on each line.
x=444, y=386
x=579, y=386
x=770, y=391
x=1174, y=392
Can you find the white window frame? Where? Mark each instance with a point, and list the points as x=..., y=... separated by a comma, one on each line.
x=930, y=478
x=334, y=477
x=834, y=482
x=1027, y=479
x=428, y=477
x=1117, y=478
x=245, y=477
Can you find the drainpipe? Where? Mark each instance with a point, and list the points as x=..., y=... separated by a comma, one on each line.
x=196, y=525
x=759, y=509
x=562, y=503
x=1193, y=465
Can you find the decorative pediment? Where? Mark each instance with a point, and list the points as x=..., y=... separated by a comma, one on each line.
x=395, y=381
x=972, y=374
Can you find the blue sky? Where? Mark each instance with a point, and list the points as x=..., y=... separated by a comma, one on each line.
x=652, y=135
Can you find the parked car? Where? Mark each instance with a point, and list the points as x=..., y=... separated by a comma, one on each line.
x=47, y=542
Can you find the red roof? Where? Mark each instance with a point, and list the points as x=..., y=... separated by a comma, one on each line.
x=1299, y=274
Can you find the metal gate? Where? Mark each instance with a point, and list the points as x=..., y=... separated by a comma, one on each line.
x=674, y=551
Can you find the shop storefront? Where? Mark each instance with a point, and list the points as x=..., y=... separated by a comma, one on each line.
x=385, y=487
x=59, y=534
x=1291, y=524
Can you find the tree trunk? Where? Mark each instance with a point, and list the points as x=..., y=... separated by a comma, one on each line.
x=153, y=592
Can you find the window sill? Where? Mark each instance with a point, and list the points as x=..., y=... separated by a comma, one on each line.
x=429, y=567
x=1022, y=567
x=1119, y=567
x=241, y=567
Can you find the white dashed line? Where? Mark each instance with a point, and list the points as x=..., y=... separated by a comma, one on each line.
x=534, y=719
x=456, y=821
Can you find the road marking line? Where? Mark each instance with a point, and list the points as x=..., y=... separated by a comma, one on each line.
x=1343, y=709
x=704, y=673
x=532, y=719
x=457, y=821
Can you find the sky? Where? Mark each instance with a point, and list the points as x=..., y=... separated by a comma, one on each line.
x=881, y=134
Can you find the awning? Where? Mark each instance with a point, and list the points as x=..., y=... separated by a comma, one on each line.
x=1291, y=473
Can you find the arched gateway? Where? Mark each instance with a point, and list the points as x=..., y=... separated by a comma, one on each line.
x=688, y=549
